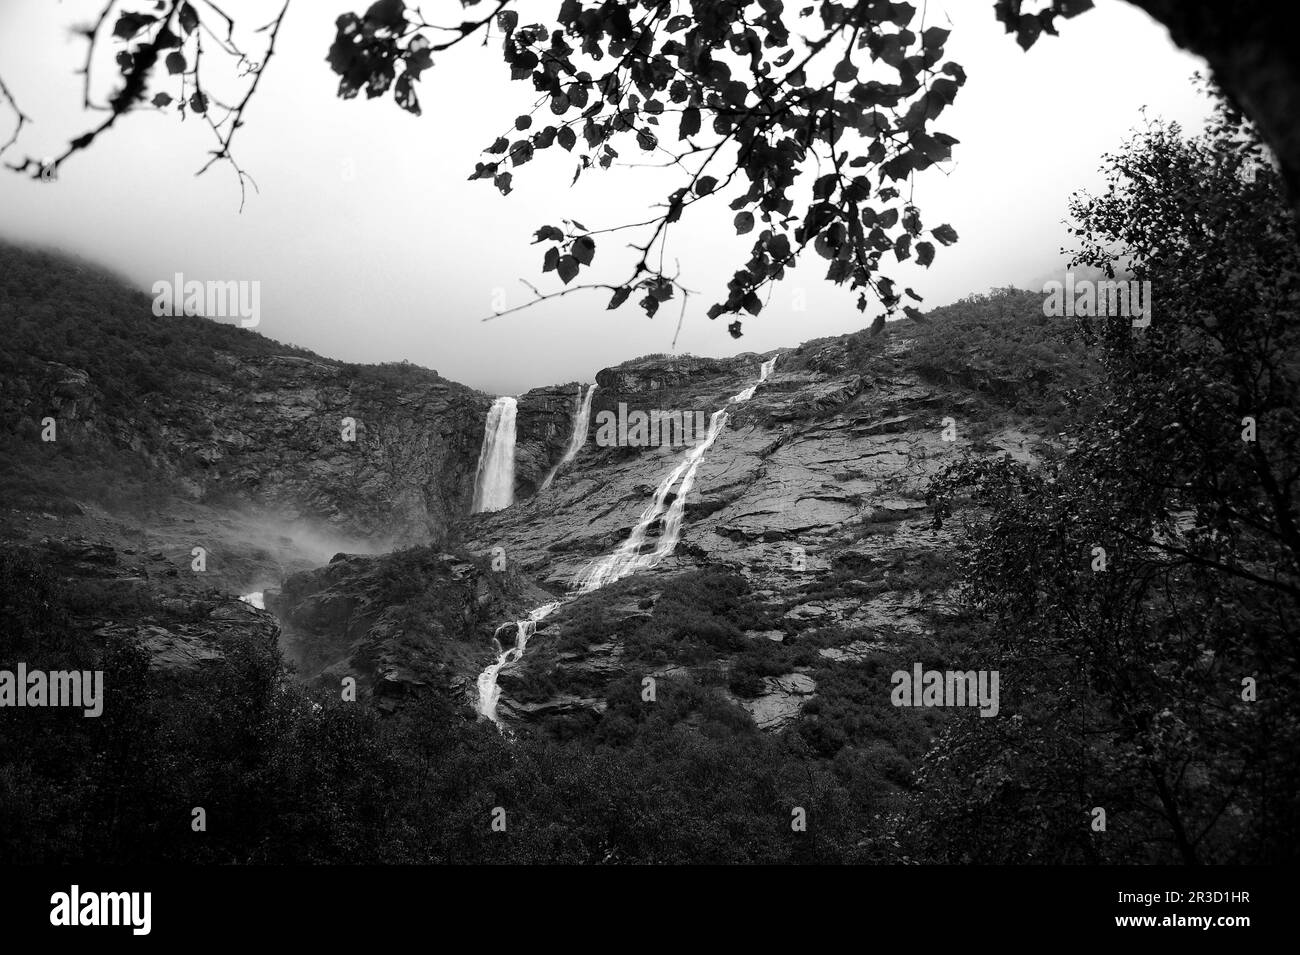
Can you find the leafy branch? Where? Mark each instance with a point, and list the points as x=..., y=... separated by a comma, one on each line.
x=170, y=34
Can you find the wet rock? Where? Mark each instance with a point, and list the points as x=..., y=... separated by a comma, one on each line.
x=781, y=700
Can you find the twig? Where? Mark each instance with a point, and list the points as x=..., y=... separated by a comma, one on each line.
x=23, y=118
x=223, y=152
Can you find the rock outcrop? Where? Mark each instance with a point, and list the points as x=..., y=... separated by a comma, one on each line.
x=384, y=453
x=181, y=620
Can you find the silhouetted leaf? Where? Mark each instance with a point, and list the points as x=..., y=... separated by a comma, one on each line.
x=129, y=24
x=387, y=14
x=189, y=18
x=584, y=249
x=404, y=93
x=934, y=37
x=419, y=56
x=1027, y=30
x=945, y=234
x=690, y=122
x=521, y=152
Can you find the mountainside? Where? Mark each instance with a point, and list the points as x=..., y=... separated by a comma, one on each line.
x=807, y=521
x=807, y=545
x=212, y=414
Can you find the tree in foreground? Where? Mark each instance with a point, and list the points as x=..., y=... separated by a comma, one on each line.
x=1139, y=590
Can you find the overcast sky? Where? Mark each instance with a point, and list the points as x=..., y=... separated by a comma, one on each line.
x=370, y=245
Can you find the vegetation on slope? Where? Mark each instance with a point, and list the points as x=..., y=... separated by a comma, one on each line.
x=1158, y=687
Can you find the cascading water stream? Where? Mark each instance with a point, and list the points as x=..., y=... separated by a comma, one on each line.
x=494, y=479
x=627, y=558
x=488, y=691
x=581, y=423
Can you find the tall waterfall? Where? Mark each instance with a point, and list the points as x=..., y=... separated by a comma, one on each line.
x=581, y=423
x=494, y=480
x=628, y=558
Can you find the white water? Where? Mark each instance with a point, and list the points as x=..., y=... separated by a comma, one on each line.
x=628, y=557
x=255, y=598
x=581, y=423
x=488, y=691
x=494, y=480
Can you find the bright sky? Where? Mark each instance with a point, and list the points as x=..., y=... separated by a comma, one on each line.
x=370, y=245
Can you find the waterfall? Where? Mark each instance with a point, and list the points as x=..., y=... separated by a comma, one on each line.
x=581, y=423
x=488, y=691
x=494, y=479
x=627, y=558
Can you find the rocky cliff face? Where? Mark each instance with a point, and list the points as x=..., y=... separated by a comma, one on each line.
x=181, y=621
x=383, y=454
x=807, y=543
x=542, y=428
x=813, y=496
x=399, y=625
